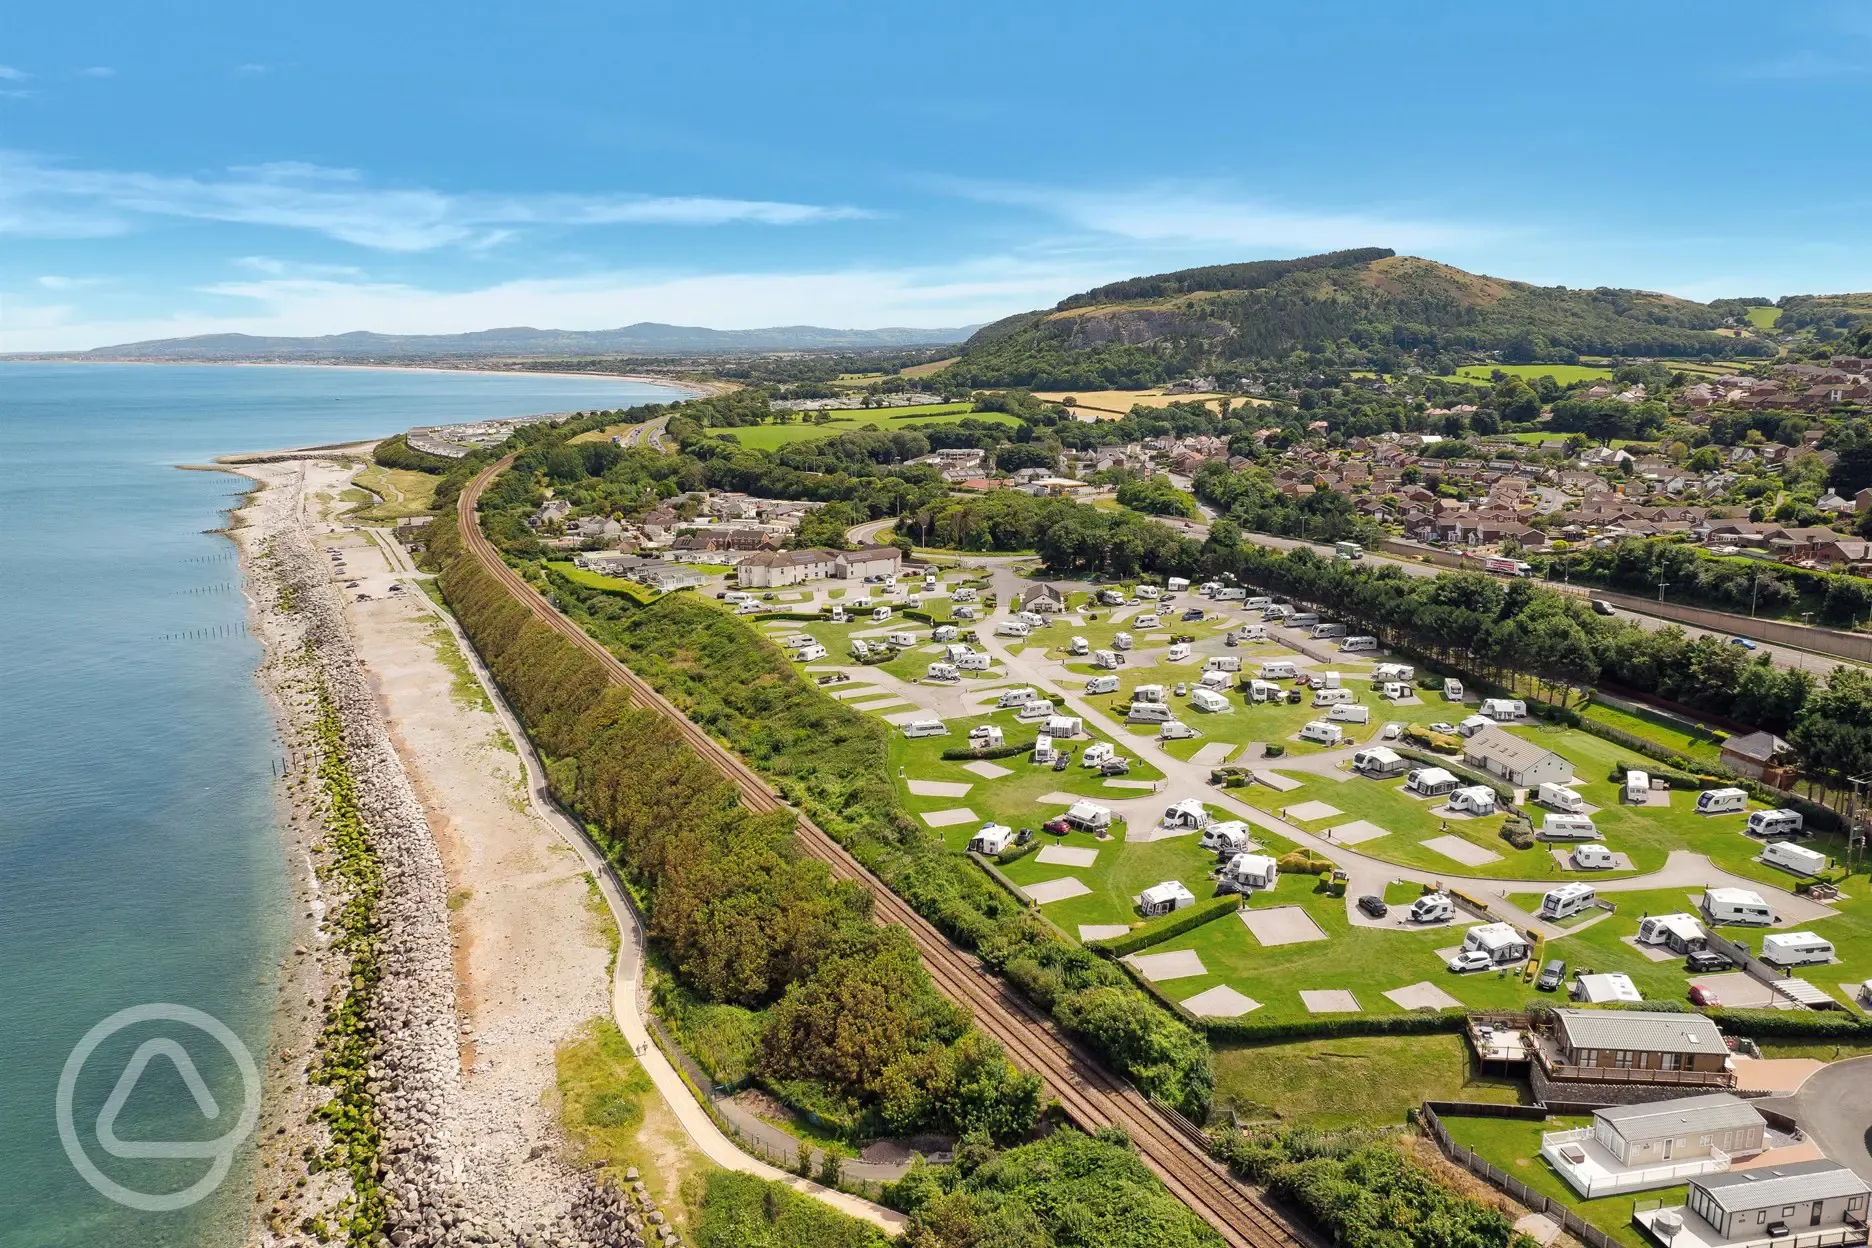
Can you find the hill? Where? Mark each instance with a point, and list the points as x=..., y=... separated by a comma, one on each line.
x=647, y=338
x=1229, y=317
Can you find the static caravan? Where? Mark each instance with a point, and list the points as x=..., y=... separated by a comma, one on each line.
x=810, y=654
x=992, y=839
x=1393, y=671
x=944, y=671
x=1247, y=872
x=1088, y=817
x=1102, y=684
x=1566, y=901
x=1333, y=697
x=1322, y=732
x=1105, y=658
x=1279, y=669
x=1265, y=691
x=1737, y=905
x=973, y=662
x=1122, y=641
x=1011, y=628
x=1568, y=828
x=1208, y=700
x=1378, y=762
x=1163, y=898
x=1231, y=836
x=1680, y=933
x=1043, y=751
x=926, y=728
x=1594, y=858
x=1797, y=859
x=986, y=737
x=1777, y=823
x=1785, y=949
x=1033, y=712
x=1218, y=681
x=1721, y=801
x=1178, y=652
x=1177, y=584
x=1187, y=814
x=1473, y=799
x=903, y=641
x=1222, y=663
x=1078, y=645
x=1097, y=754
x=1147, y=713
x=1637, y=787
x=1350, y=713
x=943, y=633
x=1559, y=797
x=1452, y=691
x=1431, y=782
x=1175, y=731
x=1328, y=632
x=1015, y=697
x=1058, y=726
x=1359, y=643
x=1304, y=621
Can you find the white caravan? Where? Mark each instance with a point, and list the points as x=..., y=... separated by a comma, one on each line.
x=926, y=728
x=1797, y=859
x=1721, y=801
x=1559, y=797
x=1102, y=684
x=1566, y=901
x=1788, y=949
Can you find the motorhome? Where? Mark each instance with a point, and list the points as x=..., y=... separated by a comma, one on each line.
x=1393, y=671
x=1432, y=908
x=1568, y=828
x=991, y=840
x=1175, y=731
x=1149, y=693
x=1058, y=726
x=1097, y=754
x=1278, y=669
x=860, y=649
x=1122, y=641
x=1011, y=628
x=838, y=614
x=1247, y=873
x=1265, y=691
x=1257, y=603
x=965, y=594
x=1566, y=901
x=986, y=737
x=903, y=641
x=1111, y=597
x=1796, y=859
x=1559, y=797
x=1473, y=799
x=1350, y=713
x=1320, y=731
x=1378, y=762
x=1222, y=663
x=1721, y=801
x=1208, y=701
x=1777, y=823
x=1786, y=949
x=1504, y=710
x=1216, y=680
x=1737, y=905
x=1178, y=584
x=1304, y=621
x=1253, y=632
x=943, y=633
x=1107, y=659
x=1147, y=713
x=956, y=650
x=1102, y=684
x=1359, y=643
x=1078, y=645
x=943, y=671
x=1637, y=787
x=1594, y=858
x=1146, y=621
x=1332, y=697
x=1231, y=593
x=1328, y=632
x=1452, y=691
x=1043, y=751
x=1015, y=697
x=1178, y=652
x=861, y=603
x=1228, y=837
x=926, y=728
x=974, y=662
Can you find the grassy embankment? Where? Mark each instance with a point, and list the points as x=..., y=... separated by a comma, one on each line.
x=399, y=494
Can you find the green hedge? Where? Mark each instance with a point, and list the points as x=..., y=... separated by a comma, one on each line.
x=1794, y=1024
x=1323, y=1027
x=991, y=751
x=1671, y=776
x=1172, y=924
x=1016, y=852
x=807, y=616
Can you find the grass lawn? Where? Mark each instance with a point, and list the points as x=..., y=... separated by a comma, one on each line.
x=1515, y=1147
x=850, y=420
x=1699, y=743
x=403, y=493
x=597, y=580
x=1352, y=1080
x=1562, y=373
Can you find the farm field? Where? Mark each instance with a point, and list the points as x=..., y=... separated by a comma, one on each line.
x=1764, y=318
x=850, y=420
x=1109, y=404
x=1352, y=1080
x=1515, y=1148
x=1562, y=373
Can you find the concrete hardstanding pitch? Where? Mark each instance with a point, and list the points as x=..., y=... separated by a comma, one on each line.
x=1422, y=995
x=948, y=818
x=1055, y=890
x=1221, y=1001
x=939, y=788
x=1282, y=925
x=1329, y=1001
x=1459, y=850
x=1158, y=967
x=1066, y=856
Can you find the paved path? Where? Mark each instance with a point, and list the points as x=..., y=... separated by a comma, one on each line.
x=627, y=991
x=1834, y=1106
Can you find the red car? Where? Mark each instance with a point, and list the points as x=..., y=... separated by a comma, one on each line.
x=1701, y=995
x=1058, y=827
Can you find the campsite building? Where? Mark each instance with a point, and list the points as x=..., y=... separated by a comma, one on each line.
x=1517, y=760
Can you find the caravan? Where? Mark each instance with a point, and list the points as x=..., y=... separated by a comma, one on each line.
x=1229, y=837
x=1187, y=815
x=926, y=728
x=1033, y=712
x=1452, y=691
x=1215, y=680
x=1393, y=671
x=1043, y=751
x=1378, y=762
x=1332, y=697
x=1318, y=730
x=986, y=737
x=943, y=671
x=1178, y=584
x=1329, y=632
x=1474, y=799
x=1252, y=632
x=973, y=662
x=1279, y=669
x=1795, y=859
x=1637, y=787
x=1148, y=693
x=1566, y=901
x=991, y=840
x=1147, y=713
x=810, y=653
x=943, y=633
x=1777, y=823
x=1015, y=697
x=1011, y=628
x=1232, y=593
x=1504, y=710
x=1147, y=620
x=1594, y=858
x=1359, y=643
x=1107, y=659
x=1568, y=828
x=1790, y=949
x=1246, y=873
x=1122, y=641
x=1179, y=651
x=1680, y=933
x=1258, y=602
x=1737, y=905
x=1304, y=621
x=903, y=641
x=1265, y=691
x=1097, y=754
x=1349, y=713
x=1078, y=645
x=881, y=615
x=1721, y=801
x=1208, y=700
x=1088, y=817
x=1222, y=663
x=1559, y=797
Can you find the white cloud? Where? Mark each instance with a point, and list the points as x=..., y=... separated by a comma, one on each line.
x=37, y=195
x=252, y=69
x=97, y=71
x=10, y=74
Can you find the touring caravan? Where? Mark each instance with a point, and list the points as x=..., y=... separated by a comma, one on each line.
x=1797, y=859
x=1033, y=712
x=1378, y=762
x=903, y=641
x=1105, y=658
x=810, y=654
x=1122, y=641
x=1394, y=691
x=1452, y=691
x=973, y=662
x=1737, y=905
x=1246, y=873
x=1279, y=669
x=1058, y=726
x=1148, y=620
x=881, y=615
x=1011, y=628
x=964, y=594
x=1078, y=645
x=992, y=839
x=1102, y=684
x=1350, y=713
x=1097, y=754
x=1147, y=713
x=1559, y=797
x=1472, y=725
x=1359, y=643
x=1566, y=901
x=986, y=737
x=1230, y=836
x=1637, y=787
x=1208, y=700
x=1231, y=593
x=1777, y=823
x=1265, y=691
x=1187, y=814
x=1032, y=619
x=860, y=650
x=926, y=728
x=1322, y=732
x=1164, y=898
x=1328, y=632
x=1430, y=782
x=1680, y=933
x=1088, y=817
x=1175, y=731
x=1015, y=697
x=1256, y=602
x=1222, y=663
x=943, y=633
x=1721, y=801
x=1149, y=693
x=861, y=603
x=1043, y=751
x=1329, y=680
x=1178, y=652
x=1215, y=680
x=944, y=671
x=1568, y=828
x=1253, y=632
x=1786, y=949
x=1393, y=671
x=1148, y=592
x=1594, y=858
x=1332, y=697
x=1504, y=709
x=1178, y=584
x=1474, y=799
x=1304, y=621
x=956, y=650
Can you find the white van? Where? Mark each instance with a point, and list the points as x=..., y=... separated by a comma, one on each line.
x=1258, y=603
x=1568, y=828
x=1278, y=669
x=1721, y=801
x=1359, y=643
x=1304, y=621
x=1785, y=949
x=1333, y=697
x=1078, y=645
x=1350, y=713
x=1011, y=628
x=1253, y=632
x=1015, y=697
x=1174, y=731
x=1178, y=652
x=1219, y=681
x=926, y=728
x=1777, y=823
x=880, y=615
x=1233, y=593
x=903, y=641
x=1797, y=859
x=1121, y=641
x=1146, y=621
x=1594, y=858
x=1559, y=797
x=1637, y=787
x=1105, y=658
x=973, y=662
x=1102, y=684
x=1322, y=732
x=1566, y=901
x=943, y=671
x=1452, y=691
x=1208, y=700
x=1328, y=632
x=1222, y=663
x=1147, y=713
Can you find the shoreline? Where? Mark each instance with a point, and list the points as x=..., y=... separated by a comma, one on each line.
x=695, y=389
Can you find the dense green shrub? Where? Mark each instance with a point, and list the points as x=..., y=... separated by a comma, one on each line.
x=1246, y=1031
x=739, y=1210
x=396, y=452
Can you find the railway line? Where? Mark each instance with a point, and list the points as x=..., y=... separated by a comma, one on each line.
x=1092, y=1096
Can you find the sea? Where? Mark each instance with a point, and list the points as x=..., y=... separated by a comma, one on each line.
x=143, y=885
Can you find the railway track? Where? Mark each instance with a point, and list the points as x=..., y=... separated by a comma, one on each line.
x=1092, y=1096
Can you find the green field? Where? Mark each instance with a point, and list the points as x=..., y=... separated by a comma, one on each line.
x=1696, y=743
x=597, y=580
x=1764, y=318
x=1352, y=1080
x=850, y=420
x=1562, y=373
x=1515, y=1147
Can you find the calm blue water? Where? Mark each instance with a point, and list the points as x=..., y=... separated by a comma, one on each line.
x=140, y=858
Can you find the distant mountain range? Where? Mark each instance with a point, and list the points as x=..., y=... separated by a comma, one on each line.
x=646, y=338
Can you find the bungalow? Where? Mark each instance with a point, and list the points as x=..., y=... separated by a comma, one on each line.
x=1636, y=1046
x=1044, y=599
x=1756, y=754
x=1517, y=760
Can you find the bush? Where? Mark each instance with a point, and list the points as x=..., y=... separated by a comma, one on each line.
x=396, y=452
x=1164, y=927
x=1302, y=862
x=991, y=751
x=1016, y=852
x=1326, y=1027
x=1794, y=1025
x=1273, y=749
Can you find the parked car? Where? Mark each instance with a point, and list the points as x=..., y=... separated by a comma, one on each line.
x=1058, y=827
x=1293, y=697
x=1063, y=761
x=1552, y=975
x=1707, y=962
x=1194, y=613
x=1470, y=960
x=1374, y=905
x=1448, y=730
x=1704, y=995
x=1744, y=642
x=1115, y=767
x=1182, y=688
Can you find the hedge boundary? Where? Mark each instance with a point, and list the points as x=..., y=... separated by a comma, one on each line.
x=1156, y=931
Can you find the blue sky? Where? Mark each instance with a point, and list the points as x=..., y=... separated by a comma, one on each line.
x=291, y=168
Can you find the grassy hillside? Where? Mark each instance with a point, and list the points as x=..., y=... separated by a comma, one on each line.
x=1146, y=330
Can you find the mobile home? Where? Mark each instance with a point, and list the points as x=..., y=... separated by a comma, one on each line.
x=1208, y=700
x=1737, y=905
x=1279, y=669
x=1566, y=901
x=1322, y=732
x=1350, y=713
x=1568, y=828
x=1777, y=823
x=1559, y=797
x=1785, y=949
x=1721, y=801
x=1359, y=643
x=926, y=728
x=992, y=839
x=1473, y=799
x=1797, y=859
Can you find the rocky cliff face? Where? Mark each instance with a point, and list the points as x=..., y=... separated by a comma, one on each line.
x=1136, y=326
